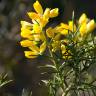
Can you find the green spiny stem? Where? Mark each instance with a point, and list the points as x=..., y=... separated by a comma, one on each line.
x=57, y=68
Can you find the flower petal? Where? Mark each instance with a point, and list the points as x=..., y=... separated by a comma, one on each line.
x=33, y=15
x=30, y=54
x=50, y=32
x=54, y=12
x=38, y=8
x=64, y=32
x=26, y=43
x=25, y=24
x=83, y=29
x=46, y=13
x=91, y=26
x=26, y=33
x=73, y=29
x=83, y=19
x=34, y=48
x=37, y=28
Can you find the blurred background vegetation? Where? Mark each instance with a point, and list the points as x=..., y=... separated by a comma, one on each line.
x=24, y=72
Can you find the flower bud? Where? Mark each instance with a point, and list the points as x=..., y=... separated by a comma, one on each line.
x=38, y=8
x=54, y=13
x=91, y=26
x=83, y=18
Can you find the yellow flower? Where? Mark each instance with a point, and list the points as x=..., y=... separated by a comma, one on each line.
x=83, y=29
x=25, y=24
x=34, y=48
x=64, y=32
x=42, y=17
x=38, y=8
x=63, y=29
x=35, y=51
x=64, y=26
x=50, y=32
x=33, y=15
x=71, y=26
x=26, y=33
x=37, y=28
x=83, y=19
x=26, y=43
x=43, y=21
x=38, y=50
x=87, y=27
x=36, y=37
x=54, y=12
x=30, y=54
x=91, y=26
x=46, y=13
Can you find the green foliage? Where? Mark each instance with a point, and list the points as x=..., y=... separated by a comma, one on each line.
x=26, y=92
x=3, y=80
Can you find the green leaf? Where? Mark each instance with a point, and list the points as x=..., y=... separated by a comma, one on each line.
x=26, y=92
x=45, y=82
x=48, y=66
x=5, y=83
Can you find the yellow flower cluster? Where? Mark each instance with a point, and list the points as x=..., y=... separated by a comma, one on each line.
x=37, y=38
x=86, y=25
x=33, y=32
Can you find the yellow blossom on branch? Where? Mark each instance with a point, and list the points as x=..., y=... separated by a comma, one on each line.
x=38, y=8
x=35, y=38
x=83, y=18
x=36, y=35
x=86, y=26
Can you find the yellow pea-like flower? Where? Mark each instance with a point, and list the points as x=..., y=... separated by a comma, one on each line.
x=34, y=48
x=37, y=28
x=35, y=51
x=63, y=29
x=83, y=19
x=65, y=26
x=54, y=12
x=36, y=37
x=64, y=32
x=26, y=43
x=43, y=21
x=83, y=29
x=38, y=50
x=26, y=33
x=91, y=26
x=33, y=15
x=26, y=25
x=72, y=26
x=46, y=13
x=38, y=8
x=30, y=54
x=50, y=32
